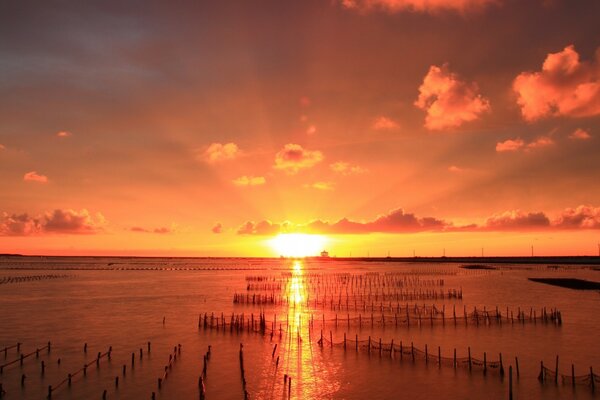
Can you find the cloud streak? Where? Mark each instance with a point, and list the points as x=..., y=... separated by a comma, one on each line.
x=424, y=6
x=33, y=176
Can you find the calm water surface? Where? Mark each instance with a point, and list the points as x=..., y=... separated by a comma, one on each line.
x=121, y=303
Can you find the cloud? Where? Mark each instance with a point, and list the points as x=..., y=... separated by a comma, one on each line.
x=161, y=230
x=345, y=168
x=293, y=158
x=311, y=130
x=217, y=228
x=448, y=101
x=19, y=225
x=582, y=217
x=57, y=221
x=565, y=86
x=519, y=144
x=218, y=152
x=263, y=227
x=2, y=147
x=73, y=222
x=517, y=220
x=249, y=181
x=455, y=169
x=580, y=134
x=425, y=6
x=33, y=176
x=398, y=221
x=542, y=141
x=382, y=123
x=320, y=185
x=63, y=134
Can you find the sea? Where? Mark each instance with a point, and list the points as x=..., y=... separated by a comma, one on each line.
x=173, y=328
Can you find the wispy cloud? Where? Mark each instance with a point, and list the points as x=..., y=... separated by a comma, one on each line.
x=426, y=6
x=512, y=145
x=63, y=134
x=382, y=123
x=218, y=152
x=344, y=168
x=320, y=185
x=33, y=176
x=249, y=181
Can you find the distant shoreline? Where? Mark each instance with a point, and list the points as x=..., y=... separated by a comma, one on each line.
x=581, y=260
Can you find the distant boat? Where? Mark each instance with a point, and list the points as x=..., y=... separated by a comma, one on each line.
x=325, y=254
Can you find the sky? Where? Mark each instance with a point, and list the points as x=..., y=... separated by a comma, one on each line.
x=394, y=127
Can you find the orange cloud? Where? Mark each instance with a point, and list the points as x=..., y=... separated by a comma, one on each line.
x=73, y=222
x=63, y=134
x=519, y=144
x=217, y=228
x=455, y=169
x=218, y=152
x=399, y=221
x=293, y=158
x=517, y=220
x=19, y=225
x=580, y=134
x=321, y=186
x=448, y=101
x=311, y=130
x=382, y=123
x=345, y=168
x=2, y=147
x=564, y=87
x=57, y=221
x=542, y=141
x=263, y=227
x=249, y=181
x=582, y=217
x=161, y=230
x=33, y=176
x=394, y=6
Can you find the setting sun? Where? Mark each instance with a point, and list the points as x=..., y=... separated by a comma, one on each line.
x=298, y=244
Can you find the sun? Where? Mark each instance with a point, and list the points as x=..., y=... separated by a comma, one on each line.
x=298, y=244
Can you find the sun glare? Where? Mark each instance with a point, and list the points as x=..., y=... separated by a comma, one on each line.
x=298, y=244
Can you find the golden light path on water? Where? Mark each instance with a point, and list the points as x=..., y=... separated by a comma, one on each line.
x=314, y=375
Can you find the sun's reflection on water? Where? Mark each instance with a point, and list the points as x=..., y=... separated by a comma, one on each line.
x=312, y=375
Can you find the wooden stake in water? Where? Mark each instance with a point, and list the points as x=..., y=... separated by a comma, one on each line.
x=510, y=383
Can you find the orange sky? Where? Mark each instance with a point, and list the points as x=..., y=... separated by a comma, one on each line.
x=204, y=129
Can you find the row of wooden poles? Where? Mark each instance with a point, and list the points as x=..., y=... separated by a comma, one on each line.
x=548, y=375
x=287, y=299
x=414, y=353
x=376, y=320
x=168, y=367
x=23, y=356
x=29, y=278
x=372, y=280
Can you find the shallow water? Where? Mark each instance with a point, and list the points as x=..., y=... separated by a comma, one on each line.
x=121, y=302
